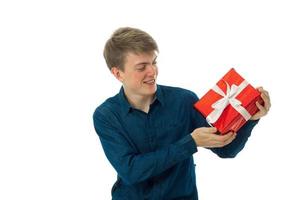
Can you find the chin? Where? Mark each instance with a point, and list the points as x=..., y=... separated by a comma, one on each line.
x=154, y=88
x=151, y=90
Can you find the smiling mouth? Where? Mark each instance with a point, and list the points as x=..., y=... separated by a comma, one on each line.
x=150, y=82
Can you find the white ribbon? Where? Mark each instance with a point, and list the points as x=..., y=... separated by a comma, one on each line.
x=228, y=98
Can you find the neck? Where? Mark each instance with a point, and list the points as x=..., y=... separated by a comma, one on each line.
x=140, y=102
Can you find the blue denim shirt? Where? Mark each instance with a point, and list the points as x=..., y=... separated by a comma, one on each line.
x=152, y=152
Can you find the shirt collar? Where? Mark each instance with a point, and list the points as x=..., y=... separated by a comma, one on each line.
x=126, y=107
x=159, y=95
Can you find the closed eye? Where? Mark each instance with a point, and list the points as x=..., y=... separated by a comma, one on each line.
x=141, y=67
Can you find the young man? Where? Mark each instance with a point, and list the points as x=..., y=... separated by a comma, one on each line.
x=150, y=132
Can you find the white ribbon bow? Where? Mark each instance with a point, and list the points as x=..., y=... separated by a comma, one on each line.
x=228, y=98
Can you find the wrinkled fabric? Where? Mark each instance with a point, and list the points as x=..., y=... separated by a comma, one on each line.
x=152, y=152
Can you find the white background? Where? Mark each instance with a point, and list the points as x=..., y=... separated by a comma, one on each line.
x=53, y=76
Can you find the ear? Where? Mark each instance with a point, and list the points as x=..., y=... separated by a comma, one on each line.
x=117, y=73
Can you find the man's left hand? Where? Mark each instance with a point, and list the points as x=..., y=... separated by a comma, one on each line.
x=263, y=109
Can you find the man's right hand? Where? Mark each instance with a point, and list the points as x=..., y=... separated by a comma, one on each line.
x=207, y=137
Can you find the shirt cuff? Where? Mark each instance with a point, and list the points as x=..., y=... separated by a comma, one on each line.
x=187, y=145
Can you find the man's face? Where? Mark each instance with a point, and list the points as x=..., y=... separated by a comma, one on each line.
x=139, y=74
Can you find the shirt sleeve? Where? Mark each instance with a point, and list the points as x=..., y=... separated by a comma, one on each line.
x=132, y=166
x=232, y=149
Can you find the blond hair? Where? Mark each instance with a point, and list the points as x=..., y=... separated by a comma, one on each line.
x=125, y=40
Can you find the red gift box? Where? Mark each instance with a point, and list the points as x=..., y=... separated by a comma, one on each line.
x=230, y=103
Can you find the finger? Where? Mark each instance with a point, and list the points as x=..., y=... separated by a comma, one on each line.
x=230, y=139
x=216, y=139
x=259, y=88
x=266, y=99
x=261, y=108
x=209, y=129
x=226, y=140
x=223, y=138
x=266, y=93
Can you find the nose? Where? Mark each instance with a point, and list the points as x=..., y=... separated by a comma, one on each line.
x=151, y=70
